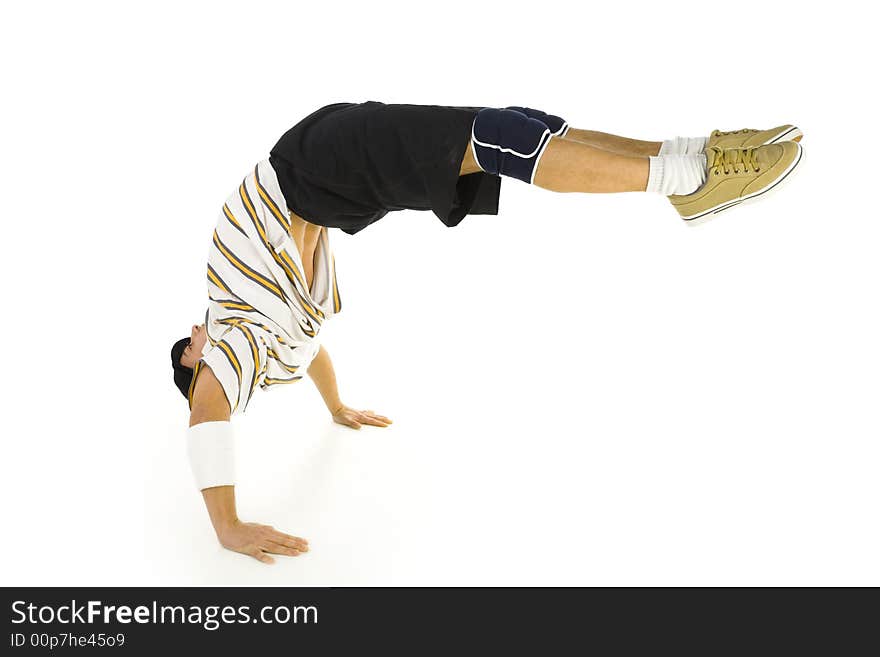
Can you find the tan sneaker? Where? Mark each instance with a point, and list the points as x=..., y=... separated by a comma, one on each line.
x=748, y=138
x=736, y=175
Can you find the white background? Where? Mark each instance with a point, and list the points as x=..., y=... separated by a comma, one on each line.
x=585, y=391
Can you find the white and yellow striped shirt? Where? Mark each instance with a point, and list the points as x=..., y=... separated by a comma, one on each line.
x=262, y=320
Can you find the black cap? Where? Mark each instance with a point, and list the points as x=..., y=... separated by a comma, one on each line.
x=183, y=375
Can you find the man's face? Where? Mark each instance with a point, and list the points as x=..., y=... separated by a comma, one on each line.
x=193, y=350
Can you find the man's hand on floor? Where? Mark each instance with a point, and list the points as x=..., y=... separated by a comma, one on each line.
x=355, y=419
x=260, y=541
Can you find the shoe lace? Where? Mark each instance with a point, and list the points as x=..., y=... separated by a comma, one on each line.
x=744, y=131
x=733, y=160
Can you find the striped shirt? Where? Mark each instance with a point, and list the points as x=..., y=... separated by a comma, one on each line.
x=262, y=320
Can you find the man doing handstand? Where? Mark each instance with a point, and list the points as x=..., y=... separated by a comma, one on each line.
x=271, y=273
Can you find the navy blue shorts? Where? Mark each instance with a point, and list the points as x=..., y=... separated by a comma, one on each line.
x=510, y=141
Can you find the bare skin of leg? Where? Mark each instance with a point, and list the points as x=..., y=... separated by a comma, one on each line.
x=258, y=541
x=572, y=166
x=613, y=143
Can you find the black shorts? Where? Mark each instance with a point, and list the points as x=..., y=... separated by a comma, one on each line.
x=348, y=164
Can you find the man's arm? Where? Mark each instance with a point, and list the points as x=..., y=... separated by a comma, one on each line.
x=324, y=377
x=258, y=541
x=322, y=374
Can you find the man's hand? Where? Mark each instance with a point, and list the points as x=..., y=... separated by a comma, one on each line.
x=355, y=419
x=260, y=541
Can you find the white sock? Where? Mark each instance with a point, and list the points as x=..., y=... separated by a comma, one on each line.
x=684, y=146
x=676, y=174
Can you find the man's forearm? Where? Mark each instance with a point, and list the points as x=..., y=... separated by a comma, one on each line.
x=322, y=374
x=220, y=501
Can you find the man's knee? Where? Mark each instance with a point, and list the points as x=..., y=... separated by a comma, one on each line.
x=508, y=142
x=557, y=125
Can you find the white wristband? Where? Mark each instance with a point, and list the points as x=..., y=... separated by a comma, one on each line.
x=211, y=450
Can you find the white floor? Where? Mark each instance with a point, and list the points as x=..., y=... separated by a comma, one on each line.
x=638, y=403
x=622, y=482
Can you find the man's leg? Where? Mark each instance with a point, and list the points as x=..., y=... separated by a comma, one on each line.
x=600, y=140
x=468, y=164
x=571, y=166
x=566, y=165
x=614, y=143
x=517, y=143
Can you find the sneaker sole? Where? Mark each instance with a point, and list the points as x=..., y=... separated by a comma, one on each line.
x=702, y=218
x=792, y=134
